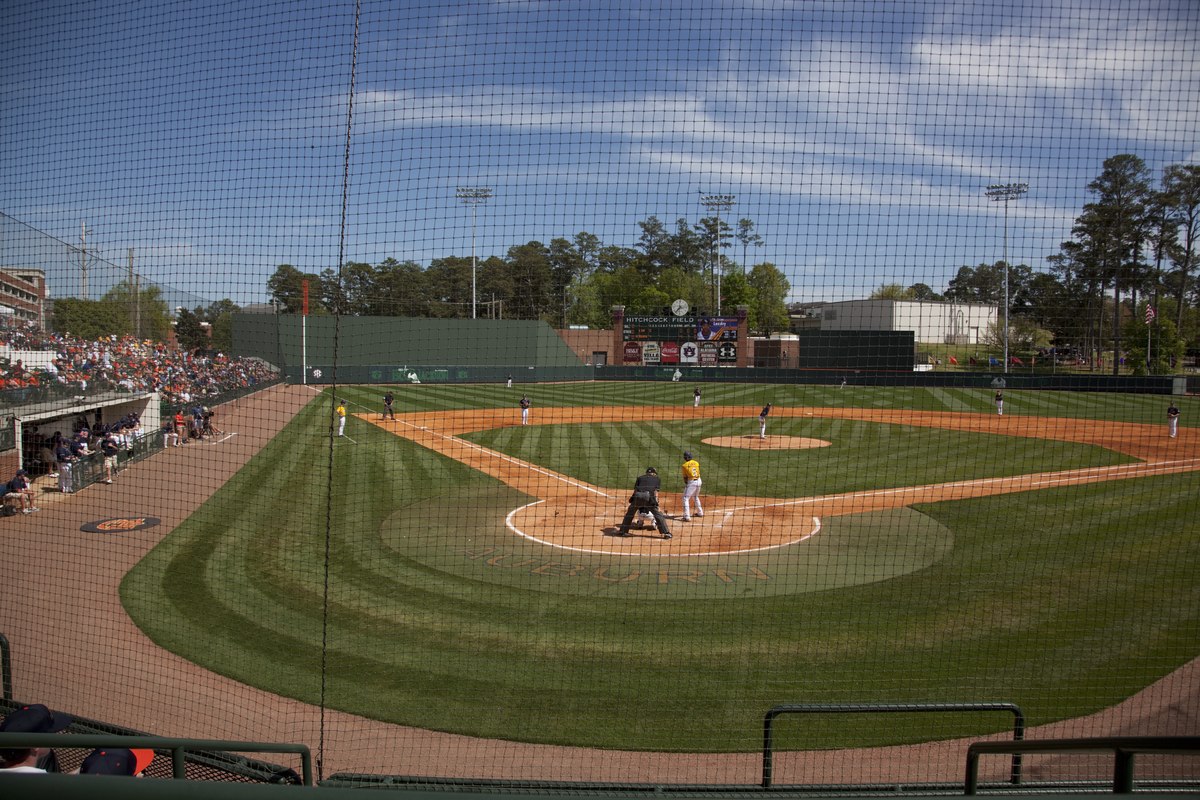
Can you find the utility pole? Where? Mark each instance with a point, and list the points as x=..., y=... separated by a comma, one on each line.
x=473, y=196
x=136, y=298
x=1003, y=192
x=718, y=203
x=83, y=260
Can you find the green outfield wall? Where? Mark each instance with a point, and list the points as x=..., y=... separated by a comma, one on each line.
x=293, y=342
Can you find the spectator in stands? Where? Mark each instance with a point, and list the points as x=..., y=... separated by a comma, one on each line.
x=34, y=718
x=19, y=492
x=129, y=364
x=116, y=761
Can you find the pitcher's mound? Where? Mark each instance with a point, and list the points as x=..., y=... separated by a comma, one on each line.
x=755, y=442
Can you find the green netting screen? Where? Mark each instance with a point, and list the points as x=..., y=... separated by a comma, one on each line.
x=912, y=286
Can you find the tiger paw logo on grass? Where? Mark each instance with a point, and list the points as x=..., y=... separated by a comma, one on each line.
x=120, y=524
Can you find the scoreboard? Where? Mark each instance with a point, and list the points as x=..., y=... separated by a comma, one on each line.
x=703, y=341
x=660, y=329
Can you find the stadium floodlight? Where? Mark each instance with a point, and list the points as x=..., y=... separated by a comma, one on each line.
x=1002, y=193
x=718, y=203
x=474, y=196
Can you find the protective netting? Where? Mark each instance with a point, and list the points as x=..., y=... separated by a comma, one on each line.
x=911, y=287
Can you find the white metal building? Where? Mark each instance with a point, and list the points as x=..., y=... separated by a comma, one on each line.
x=940, y=322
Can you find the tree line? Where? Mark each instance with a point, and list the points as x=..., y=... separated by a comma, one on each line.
x=142, y=312
x=1133, y=246
x=570, y=281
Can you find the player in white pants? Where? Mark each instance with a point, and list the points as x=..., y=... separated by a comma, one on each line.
x=762, y=421
x=691, y=487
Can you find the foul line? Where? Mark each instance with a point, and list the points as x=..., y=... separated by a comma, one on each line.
x=502, y=457
x=1022, y=483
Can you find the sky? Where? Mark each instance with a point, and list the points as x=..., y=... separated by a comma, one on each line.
x=219, y=140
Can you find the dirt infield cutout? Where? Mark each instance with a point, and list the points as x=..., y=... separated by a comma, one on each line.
x=577, y=516
x=752, y=442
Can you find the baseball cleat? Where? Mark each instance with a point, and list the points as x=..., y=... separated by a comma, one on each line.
x=666, y=536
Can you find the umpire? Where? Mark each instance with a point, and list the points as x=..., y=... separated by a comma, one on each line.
x=645, y=498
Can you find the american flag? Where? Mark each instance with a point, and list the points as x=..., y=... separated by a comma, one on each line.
x=1150, y=314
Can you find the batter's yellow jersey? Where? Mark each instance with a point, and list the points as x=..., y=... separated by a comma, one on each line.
x=691, y=470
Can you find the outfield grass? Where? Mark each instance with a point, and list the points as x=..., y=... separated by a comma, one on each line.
x=1064, y=601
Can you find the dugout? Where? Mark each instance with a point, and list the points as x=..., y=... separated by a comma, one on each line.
x=32, y=425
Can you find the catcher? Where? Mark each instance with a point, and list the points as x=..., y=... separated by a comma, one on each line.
x=645, y=498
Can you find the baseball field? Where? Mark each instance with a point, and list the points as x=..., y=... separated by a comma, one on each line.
x=454, y=570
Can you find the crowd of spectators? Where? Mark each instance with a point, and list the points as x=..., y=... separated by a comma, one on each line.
x=125, y=363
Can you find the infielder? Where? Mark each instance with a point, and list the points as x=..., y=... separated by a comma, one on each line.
x=525, y=404
x=762, y=421
x=341, y=413
x=696, y=398
x=1172, y=420
x=1000, y=402
x=691, y=487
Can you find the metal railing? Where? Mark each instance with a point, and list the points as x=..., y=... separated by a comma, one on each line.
x=768, y=755
x=1123, y=748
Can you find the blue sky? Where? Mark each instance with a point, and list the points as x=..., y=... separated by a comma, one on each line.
x=859, y=136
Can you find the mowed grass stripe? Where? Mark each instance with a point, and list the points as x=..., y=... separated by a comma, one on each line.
x=953, y=400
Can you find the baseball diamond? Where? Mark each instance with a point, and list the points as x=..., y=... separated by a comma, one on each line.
x=574, y=515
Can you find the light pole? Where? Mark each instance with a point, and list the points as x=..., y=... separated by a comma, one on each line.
x=1003, y=192
x=473, y=196
x=718, y=203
